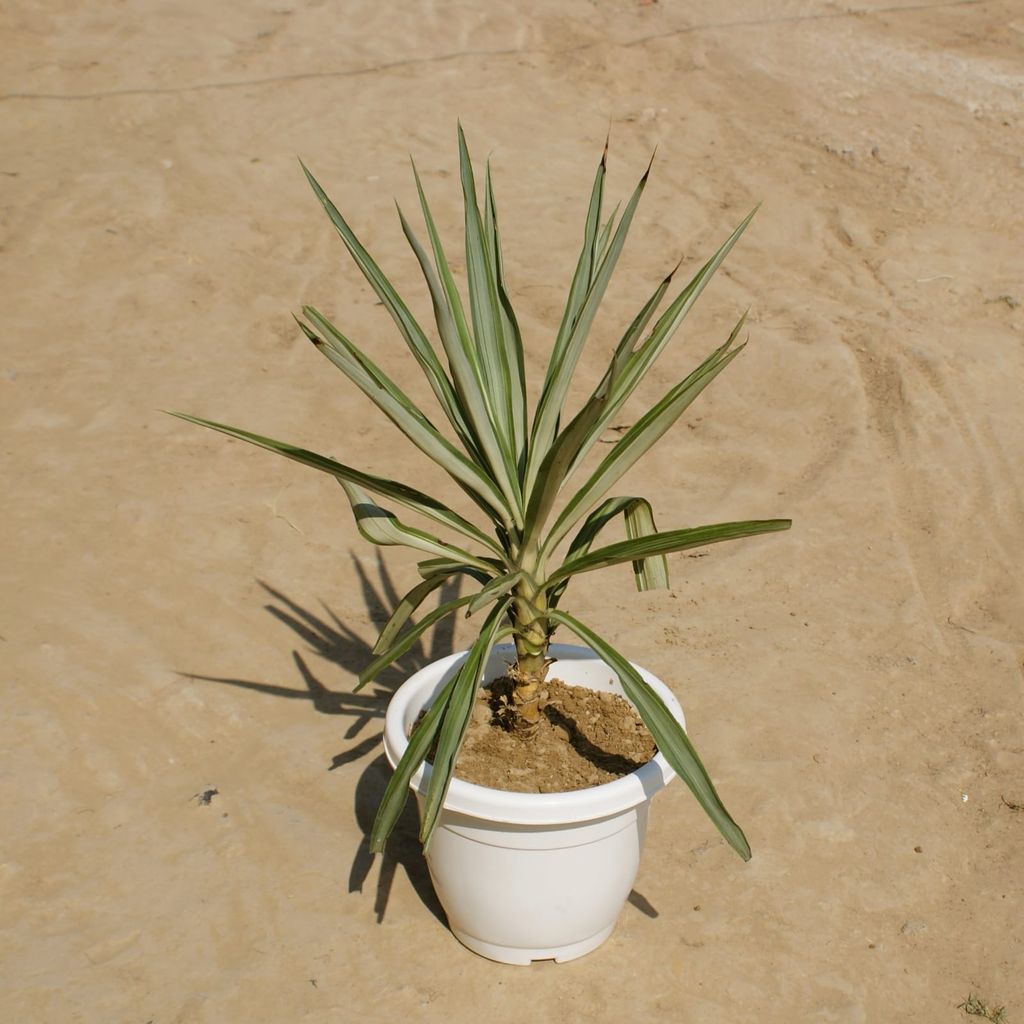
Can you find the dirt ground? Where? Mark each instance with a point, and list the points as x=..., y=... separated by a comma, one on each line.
x=180, y=613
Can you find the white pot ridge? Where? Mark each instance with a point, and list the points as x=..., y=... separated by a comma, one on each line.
x=533, y=876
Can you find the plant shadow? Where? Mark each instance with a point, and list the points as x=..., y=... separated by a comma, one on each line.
x=327, y=637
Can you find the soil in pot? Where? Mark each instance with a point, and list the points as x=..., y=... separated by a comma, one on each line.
x=585, y=738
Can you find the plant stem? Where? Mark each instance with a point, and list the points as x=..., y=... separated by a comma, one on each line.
x=532, y=634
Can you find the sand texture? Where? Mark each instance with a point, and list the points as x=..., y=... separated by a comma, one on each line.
x=180, y=612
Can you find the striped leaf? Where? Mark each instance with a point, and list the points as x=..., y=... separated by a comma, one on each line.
x=586, y=266
x=456, y=719
x=407, y=497
x=493, y=590
x=511, y=335
x=620, y=360
x=651, y=573
x=569, y=342
x=408, y=639
x=639, y=439
x=408, y=604
x=669, y=735
x=379, y=526
x=389, y=398
x=467, y=372
x=631, y=363
x=410, y=330
x=561, y=455
x=603, y=240
x=397, y=792
x=488, y=324
x=662, y=544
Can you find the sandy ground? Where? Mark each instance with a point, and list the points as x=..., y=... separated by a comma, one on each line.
x=179, y=612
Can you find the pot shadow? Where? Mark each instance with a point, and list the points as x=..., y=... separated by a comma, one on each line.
x=330, y=639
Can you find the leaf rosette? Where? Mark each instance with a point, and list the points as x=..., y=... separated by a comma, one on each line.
x=543, y=510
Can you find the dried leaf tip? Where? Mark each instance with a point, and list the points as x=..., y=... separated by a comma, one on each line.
x=647, y=173
x=307, y=332
x=675, y=270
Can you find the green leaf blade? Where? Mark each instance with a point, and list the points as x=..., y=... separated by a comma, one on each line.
x=380, y=526
x=390, y=399
x=407, y=640
x=411, y=332
x=639, y=439
x=669, y=735
x=586, y=267
x=561, y=456
x=463, y=359
x=569, y=344
x=662, y=544
x=494, y=590
x=650, y=573
x=397, y=792
x=456, y=721
x=635, y=364
x=408, y=604
x=511, y=334
x=406, y=496
x=488, y=326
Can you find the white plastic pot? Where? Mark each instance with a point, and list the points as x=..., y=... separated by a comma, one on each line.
x=533, y=876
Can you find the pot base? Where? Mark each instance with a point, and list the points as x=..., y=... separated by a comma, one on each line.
x=524, y=957
x=532, y=876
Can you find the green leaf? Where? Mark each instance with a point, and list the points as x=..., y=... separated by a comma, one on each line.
x=482, y=443
x=569, y=342
x=488, y=325
x=411, y=331
x=451, y=291
x=456, y=719
x=586, y=266
x=484, y=305
x=457, y=341
x=406, y=496
x=669, y=735
x=677, y=311
x=561, y=455
x=408, y=639
x=494, y=589
x=620, y=360
x=511, y=335
x=379, y=526
x=651, y=573
x=630, y=366
x=434, y=566
x=625, y=349
x=397, y=791
x=416, y=596
x=663, y=544
x=375, y=384
x=603, y=239
x=639, y=439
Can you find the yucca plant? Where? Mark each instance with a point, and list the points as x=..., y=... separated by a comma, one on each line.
x=540, y=531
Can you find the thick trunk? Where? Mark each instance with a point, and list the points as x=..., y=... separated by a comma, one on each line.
x=531, y=666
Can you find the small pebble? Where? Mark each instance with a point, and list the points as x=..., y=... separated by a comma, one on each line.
x=913, y=927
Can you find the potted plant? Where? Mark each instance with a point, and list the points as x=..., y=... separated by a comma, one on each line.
x=522, y=876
